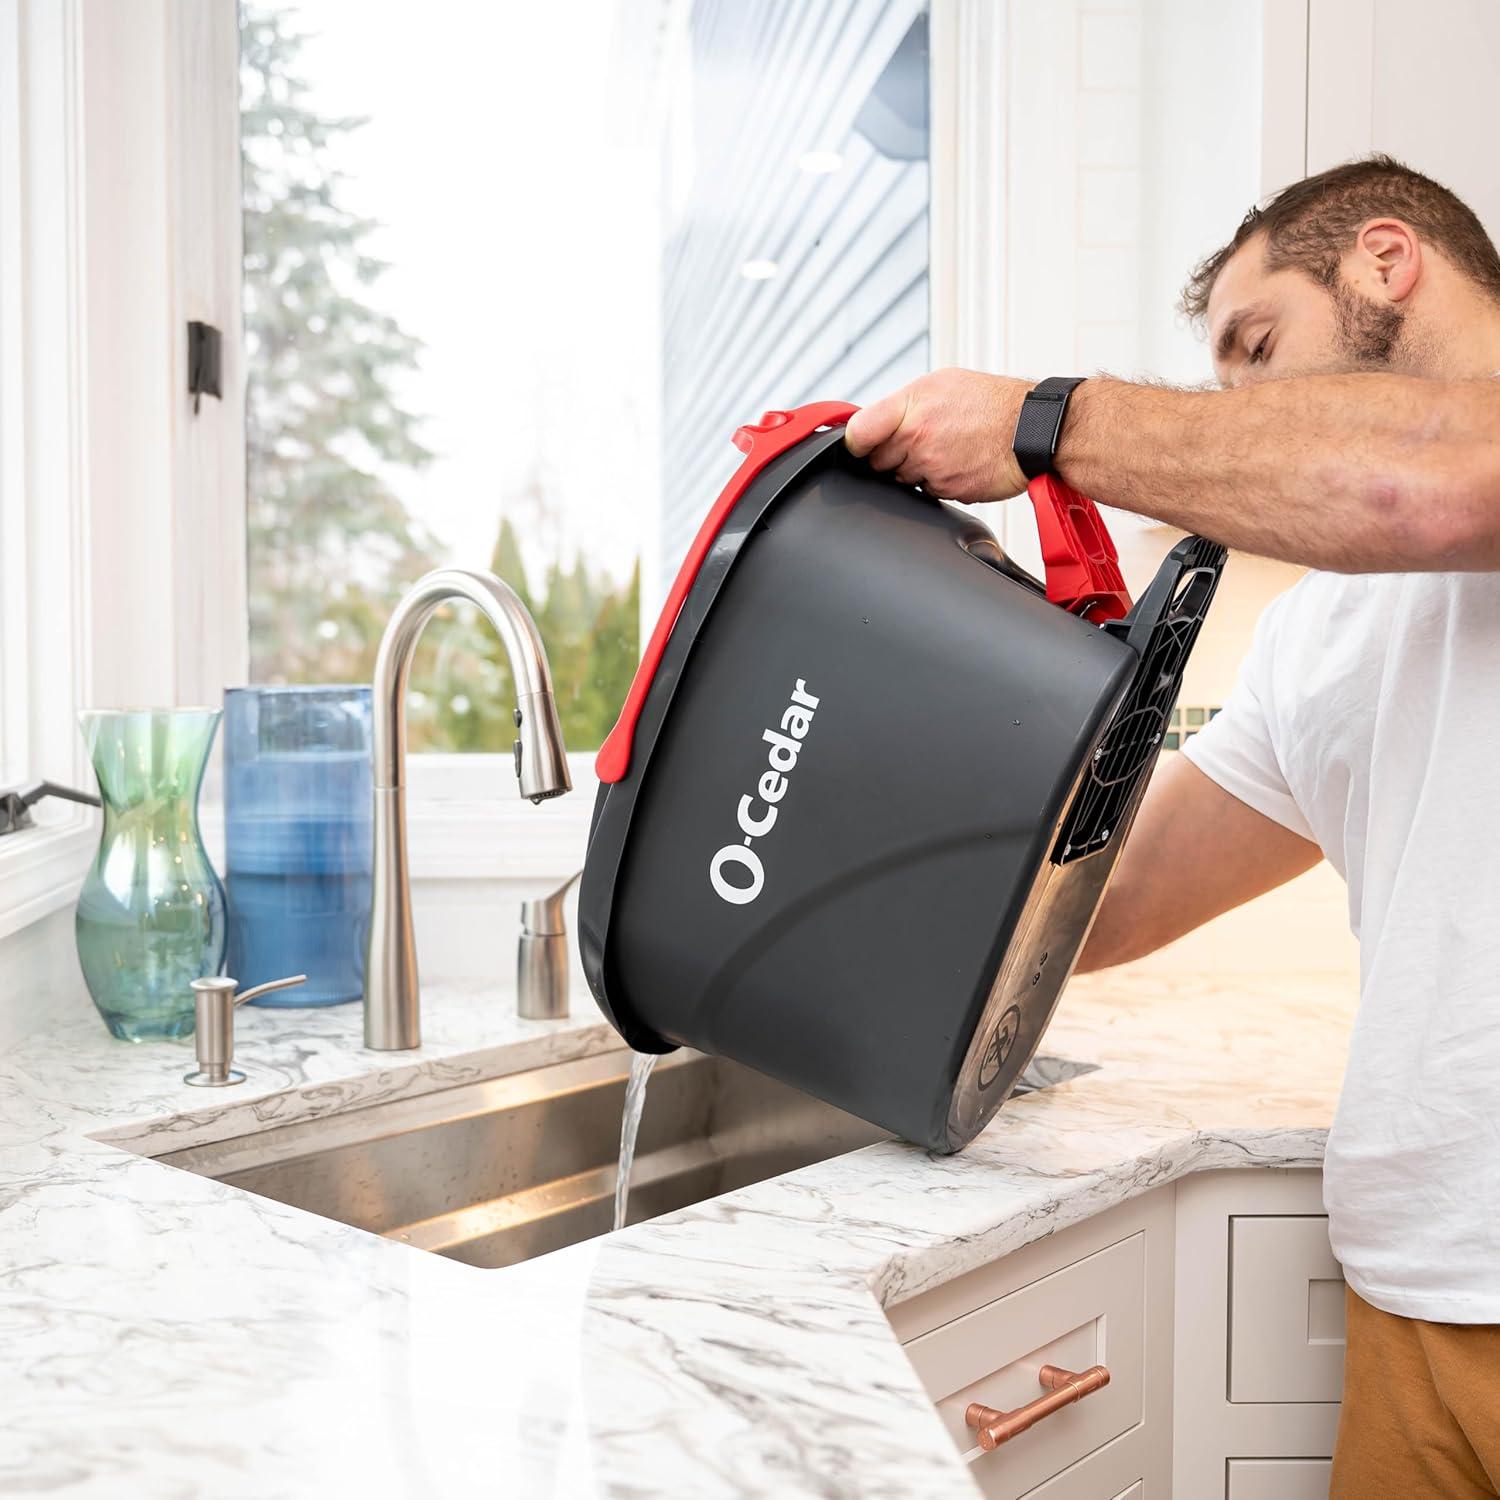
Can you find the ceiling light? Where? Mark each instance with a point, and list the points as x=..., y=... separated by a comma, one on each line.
x=759, y=270
x=820, y=163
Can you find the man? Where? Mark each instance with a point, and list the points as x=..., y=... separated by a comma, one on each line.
x=1354, y=324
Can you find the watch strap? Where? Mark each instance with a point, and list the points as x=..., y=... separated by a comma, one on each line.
x=1039, y=425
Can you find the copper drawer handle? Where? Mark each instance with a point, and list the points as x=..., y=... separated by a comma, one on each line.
x=1063, y=1389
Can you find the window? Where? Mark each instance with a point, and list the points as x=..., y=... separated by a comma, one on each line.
x=451, y=329
x=1185, y=723
x=472, y=341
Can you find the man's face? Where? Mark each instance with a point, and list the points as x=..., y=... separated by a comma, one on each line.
x=1267, y=325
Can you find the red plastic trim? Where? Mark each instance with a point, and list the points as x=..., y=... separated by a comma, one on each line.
x=760, y=442
x=1082, y=566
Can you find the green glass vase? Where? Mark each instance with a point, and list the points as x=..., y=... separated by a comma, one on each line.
x=151, y=915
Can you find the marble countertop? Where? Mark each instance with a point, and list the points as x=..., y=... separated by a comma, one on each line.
x=167, y=1336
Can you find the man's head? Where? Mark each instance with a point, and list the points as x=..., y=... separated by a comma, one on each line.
x=1365, y=266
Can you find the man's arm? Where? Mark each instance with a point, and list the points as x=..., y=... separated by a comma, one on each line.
x=1194, y=852
x=1351, y=473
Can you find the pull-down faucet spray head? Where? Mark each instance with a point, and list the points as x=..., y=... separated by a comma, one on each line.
x=541, y=760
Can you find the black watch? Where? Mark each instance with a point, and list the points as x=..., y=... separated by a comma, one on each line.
x=1040, y=423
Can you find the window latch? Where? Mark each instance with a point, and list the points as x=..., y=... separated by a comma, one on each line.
x=16, y=802
x=205, y=362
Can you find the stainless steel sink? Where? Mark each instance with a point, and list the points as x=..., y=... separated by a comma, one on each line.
x=496, y=1172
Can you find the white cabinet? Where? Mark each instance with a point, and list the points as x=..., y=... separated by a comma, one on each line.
x=1424, y=93
x=1286, y=1310
x=1218, y=1309
x=1096, y=1294
x=1259, y=1336
x=1076, y=1318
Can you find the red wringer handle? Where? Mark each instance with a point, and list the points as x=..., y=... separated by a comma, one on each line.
x=1082, y=567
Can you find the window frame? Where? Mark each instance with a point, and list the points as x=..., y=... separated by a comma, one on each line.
x=43, y=462
x=968, y=193
x=123, y=562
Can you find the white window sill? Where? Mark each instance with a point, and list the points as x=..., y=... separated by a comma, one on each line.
x=466, y=821
x=470, y=822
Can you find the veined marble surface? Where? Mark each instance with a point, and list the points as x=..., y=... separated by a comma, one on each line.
x=165, y=1336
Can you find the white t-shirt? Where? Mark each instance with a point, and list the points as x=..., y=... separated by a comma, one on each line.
x=1367, y=719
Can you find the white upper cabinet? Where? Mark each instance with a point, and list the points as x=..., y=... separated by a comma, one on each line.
x=1418, y=83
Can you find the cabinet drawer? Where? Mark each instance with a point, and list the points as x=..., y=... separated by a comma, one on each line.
x=1090, y=1312
x=1278, y=1479
x=1286, y=1331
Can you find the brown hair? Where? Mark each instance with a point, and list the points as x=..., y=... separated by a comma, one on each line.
x=1311, y=224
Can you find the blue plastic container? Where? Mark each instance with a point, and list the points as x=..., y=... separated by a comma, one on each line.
x=298, y=837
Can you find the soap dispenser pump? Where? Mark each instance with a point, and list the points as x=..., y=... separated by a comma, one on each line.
x=214, y=1000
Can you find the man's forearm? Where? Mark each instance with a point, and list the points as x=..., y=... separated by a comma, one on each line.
x=1356, y=473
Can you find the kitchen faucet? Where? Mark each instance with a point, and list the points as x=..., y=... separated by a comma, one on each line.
x=392, y=1011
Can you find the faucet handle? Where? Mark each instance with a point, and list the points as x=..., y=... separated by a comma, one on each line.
x=214, y=1000
x=542, y=957
x=543, y=916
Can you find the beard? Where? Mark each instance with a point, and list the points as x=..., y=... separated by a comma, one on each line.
x=1369, y=333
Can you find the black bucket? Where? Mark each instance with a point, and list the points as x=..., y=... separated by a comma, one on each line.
x=870, y=785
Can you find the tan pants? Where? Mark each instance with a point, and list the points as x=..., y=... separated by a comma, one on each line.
x=1421, y=1410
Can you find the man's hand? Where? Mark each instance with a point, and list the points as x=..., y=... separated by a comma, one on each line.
x=949, y=431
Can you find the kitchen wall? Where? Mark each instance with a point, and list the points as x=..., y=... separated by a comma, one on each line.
x=1140, y=131
x=466, y=929
x=40, y=981
x=1340, y=78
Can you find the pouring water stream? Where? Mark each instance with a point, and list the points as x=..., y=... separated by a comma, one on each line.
x=641, y=1064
